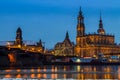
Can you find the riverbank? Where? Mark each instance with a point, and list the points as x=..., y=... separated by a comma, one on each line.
x=60, y=63
x=84, y=63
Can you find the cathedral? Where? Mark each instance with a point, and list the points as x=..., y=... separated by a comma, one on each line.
x=90, y=45
x=87, y=44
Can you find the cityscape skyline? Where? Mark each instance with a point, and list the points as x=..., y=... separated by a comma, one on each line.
x=39, y=20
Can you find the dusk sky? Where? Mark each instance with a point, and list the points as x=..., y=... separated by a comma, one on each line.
x=49, y=20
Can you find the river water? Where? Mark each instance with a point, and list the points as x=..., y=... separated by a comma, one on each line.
x=63, y=72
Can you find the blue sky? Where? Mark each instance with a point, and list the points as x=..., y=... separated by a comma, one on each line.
x=50, y=19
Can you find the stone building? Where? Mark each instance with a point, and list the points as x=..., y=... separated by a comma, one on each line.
x=38, y=47
x=89, y=45
x=19, y=43
x=65, y=48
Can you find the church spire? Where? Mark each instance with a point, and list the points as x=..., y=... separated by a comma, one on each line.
x=100, y=22
x=80, y=12
x=80, y=17
x=101, y=29
x=80, y=24
x=67, y=39
x=67, y=35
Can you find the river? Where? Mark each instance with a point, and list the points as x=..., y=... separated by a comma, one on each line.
x=63, y=72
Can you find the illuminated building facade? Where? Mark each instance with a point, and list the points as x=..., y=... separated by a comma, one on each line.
x=64, y=48
x=19, y=43
x=89, y=45
x=34, y=48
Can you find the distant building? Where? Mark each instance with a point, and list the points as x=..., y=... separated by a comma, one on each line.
x=38, y=47
x=89, y=45
x=34, y=48
x=19, y=39
x=64, y=48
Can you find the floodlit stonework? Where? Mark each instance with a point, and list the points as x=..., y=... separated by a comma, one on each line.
x=90, y=45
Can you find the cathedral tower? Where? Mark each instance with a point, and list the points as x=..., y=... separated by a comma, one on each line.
x=80, y=25
x=19, y=40
x=80, y=38
x=80, y=29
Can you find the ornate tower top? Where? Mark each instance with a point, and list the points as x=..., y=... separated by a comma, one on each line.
x=80, y=25
x=19, y=37
x=101, y=29
x=100, y=22
x=19, y=29
x=80, y=17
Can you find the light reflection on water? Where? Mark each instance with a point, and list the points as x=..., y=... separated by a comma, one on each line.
x=64, y=72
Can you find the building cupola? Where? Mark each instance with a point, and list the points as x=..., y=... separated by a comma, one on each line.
x=101, y=29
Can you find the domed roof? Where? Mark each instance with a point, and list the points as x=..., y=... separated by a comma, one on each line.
x=101, y=31
x=19, y=29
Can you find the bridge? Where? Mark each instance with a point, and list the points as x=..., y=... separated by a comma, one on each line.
x=26, y=42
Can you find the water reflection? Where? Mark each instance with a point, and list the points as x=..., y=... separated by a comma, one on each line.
x=18, y=70
x=18, y=76
x=32, y=75
x=78, y=68
x=64, y=72
x=8, y=76
x=38, y=75
x=25, y=76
